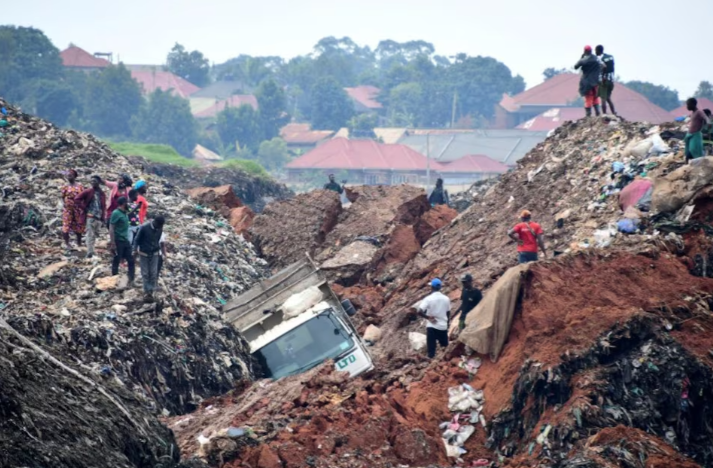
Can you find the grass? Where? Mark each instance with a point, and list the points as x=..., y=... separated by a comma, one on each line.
x=163, y=154
x=251, y=167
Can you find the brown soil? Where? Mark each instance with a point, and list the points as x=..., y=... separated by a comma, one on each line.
x=241, y=219
x=433, y=220
x=221, y=199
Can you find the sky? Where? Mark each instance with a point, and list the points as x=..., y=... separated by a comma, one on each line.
x=648, y=38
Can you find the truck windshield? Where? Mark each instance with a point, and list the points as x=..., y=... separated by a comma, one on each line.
x=304, y=347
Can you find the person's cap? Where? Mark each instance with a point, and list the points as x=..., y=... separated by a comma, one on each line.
x=587, y=48
x=436, y=283
x=525, y=214
x=466, y=278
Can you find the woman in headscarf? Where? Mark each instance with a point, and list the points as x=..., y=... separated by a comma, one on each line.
x=72, y=213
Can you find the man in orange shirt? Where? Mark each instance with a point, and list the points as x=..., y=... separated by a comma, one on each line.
x=141, y=188
x=528, y=236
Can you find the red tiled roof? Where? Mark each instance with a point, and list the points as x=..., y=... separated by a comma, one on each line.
x=552, y=119
x=683, y=111
x=563, y=89
x=233, y=101
x=365, y=95
x=297, y=133
x=152, y=80
x=474, y=163
x=341, y=153
x=74, y=56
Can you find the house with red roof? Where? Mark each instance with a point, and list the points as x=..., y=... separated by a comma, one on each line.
x=683, y=111
x=562, y=91
x=151, y=78
x=214, y=109
x=364, y=98
x=301, y=137
x=77, y=58
x=372, y=163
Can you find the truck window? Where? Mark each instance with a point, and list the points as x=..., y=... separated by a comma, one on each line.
x=304, y=347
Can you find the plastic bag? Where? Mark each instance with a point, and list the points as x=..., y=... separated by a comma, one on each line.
x=417, y=340
x=302, y=301
x=658, y=145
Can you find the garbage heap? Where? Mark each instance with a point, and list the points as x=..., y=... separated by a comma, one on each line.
x=254, y=191
x=371, y=239
x=171, y=354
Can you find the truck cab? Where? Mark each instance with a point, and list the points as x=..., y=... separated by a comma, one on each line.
x=293, y=322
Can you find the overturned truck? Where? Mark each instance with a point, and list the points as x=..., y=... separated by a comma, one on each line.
x=294, y=322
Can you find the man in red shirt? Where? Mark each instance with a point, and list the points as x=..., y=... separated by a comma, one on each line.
x=528, y=236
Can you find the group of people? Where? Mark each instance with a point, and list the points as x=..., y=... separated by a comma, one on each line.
x=597, y=83
x=436, y=307
x=124, y=212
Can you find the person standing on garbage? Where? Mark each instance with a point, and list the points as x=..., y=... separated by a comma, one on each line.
x=142, y=190
x=694, y=138
x=148, y=247
x=92, y=203
x=606, y=82
x=133, y=214
x=72, y=212
x=470, y=297
x=119, y=239
x=588, y=84
x=528, y=236
x=439, y=195
x=117, y=189
x=435, y=308
x=334, y=186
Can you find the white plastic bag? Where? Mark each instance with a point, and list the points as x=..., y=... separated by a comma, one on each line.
x=418, y=341
x=302, y=301
x=372, y=333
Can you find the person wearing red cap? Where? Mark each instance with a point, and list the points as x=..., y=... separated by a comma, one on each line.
x=588, y=85
x=528, y=236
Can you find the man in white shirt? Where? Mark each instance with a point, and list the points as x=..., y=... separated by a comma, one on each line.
x=435, y=308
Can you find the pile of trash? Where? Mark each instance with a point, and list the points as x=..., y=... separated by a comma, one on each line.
x=254, y=191
x=171, y=354
x=462, y=200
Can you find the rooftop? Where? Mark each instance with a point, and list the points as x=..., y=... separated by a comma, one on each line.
x=151, y=80
x=683, y=111
x=233, y=101
x=553, y=118
x=302, y=134
x=365, y=95
x=76, y=57
x=475, y=163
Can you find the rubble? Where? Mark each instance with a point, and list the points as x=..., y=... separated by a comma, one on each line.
x=255, y=192
x=223, y=200
x=172, y=354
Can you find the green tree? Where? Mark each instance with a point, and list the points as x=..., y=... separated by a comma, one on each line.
x=662, y=96
x=705, y=90
x=191, y=66
x=273, y=154
x=239, y=127
x=167, y=119
x=26, y=55
x=53, y=100
x=113, y=97
x=405, y=101
x=362, y=126
x=272, y=108
x=331, y=106
x=552, y=72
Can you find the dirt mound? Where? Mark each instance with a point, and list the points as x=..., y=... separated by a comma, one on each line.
x=241, y=219
x=433, y=220
x=170, y=354
x=255, y=192
x=289, y=229
x=221, y=199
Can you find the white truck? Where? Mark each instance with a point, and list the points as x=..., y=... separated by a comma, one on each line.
x=293, y=322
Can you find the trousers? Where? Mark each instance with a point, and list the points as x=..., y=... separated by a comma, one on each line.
x=434, y=336
x=123, y=252
x=526, y=257
x=149, y=272
x=93, y=226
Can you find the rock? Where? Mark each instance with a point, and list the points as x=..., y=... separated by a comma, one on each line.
x=372, y=333
x=50, y=270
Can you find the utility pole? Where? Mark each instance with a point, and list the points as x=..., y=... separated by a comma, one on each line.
x=453, y=112
x=428, y=160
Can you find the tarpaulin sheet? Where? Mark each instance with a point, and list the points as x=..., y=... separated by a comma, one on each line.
x=487, y=327
x=632, y=193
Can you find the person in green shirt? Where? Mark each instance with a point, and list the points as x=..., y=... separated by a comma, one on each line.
x=120, y=246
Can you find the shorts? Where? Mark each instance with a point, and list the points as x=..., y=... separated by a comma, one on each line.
x=605, y=90
x=591, y=99
x=526, y=257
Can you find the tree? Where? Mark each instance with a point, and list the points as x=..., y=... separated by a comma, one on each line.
x=552, y=72
x=662, y=96
x=167, y=119
x=26, y=55
x=53, y=100
x=272, y=107
x=517, y=85
x=191, y=66
x=331, y=106
x=362, y=126
x=113, y=97
x=705, y=90
x=239, y=126
x=273, y=154
x=405, y=101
